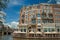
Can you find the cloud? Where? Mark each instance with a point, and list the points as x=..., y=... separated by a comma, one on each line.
x=15, y=2
x=58, y=1
x=14, y=24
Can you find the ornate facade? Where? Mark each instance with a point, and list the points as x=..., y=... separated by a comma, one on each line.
x=41, y=20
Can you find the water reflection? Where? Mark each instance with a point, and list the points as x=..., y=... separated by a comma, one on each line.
x=6, y=37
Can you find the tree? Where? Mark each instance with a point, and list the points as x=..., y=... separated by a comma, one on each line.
x=3, y=4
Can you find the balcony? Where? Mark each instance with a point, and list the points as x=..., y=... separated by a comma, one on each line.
x=47, y=21
x=33, y=22
x=49, y=24
x=50, y=17
x=44, y=17
x=33, y=17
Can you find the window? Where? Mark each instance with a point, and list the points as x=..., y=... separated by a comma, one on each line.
x=49, y=30
x=26, y=21
x=57, y=17
x=39, y=26
x=38, y=15
x=48, y=11
x=23, y=16
x=33, y=21
x=33, y=30
x=39, y=30
x=47, y=7
x=45, y=29
x=38, y=20
x=45, y=11
x=38, y=10
x=58, y=28
x=57, y=12
x=57, y=21
x=33, y=16
x=22, y=21
x=50, y=15
x=26, y=16
x=23, y=29
x=38, y=6
x=48, y=21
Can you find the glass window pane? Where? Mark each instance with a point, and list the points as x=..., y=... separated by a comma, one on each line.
x=38, y=20
x=39, y=30
x=45, y=29
x=38, y=15
x=24, y=30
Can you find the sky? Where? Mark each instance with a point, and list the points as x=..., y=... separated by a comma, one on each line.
x=14, y=6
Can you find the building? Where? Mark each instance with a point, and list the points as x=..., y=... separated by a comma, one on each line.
x=41, y=20
x=2, y=17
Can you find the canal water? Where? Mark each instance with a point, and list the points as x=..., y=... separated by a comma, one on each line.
x=10, y=37
x=6, y=37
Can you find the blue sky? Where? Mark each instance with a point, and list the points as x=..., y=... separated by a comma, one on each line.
x=13, y=9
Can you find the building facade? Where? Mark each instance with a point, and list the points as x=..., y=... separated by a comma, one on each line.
x=2, y=17
x=41, y=20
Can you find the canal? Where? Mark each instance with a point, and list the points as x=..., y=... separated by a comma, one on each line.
x=6, y=37
x=10, y=37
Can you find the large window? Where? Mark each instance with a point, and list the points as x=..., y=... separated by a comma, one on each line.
x=32, y=30
x=26, y=21
x=33, y=20
x=23, y=29
x=38, y=20
x=47, y=9
x=58, y=28
x=45, y=29
x=39, y=28
x=38, y=15
x=49, y=30
x=57, y=12
x=57, y=16
x=26, y=16
x=38, y=6
x=48, y=21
